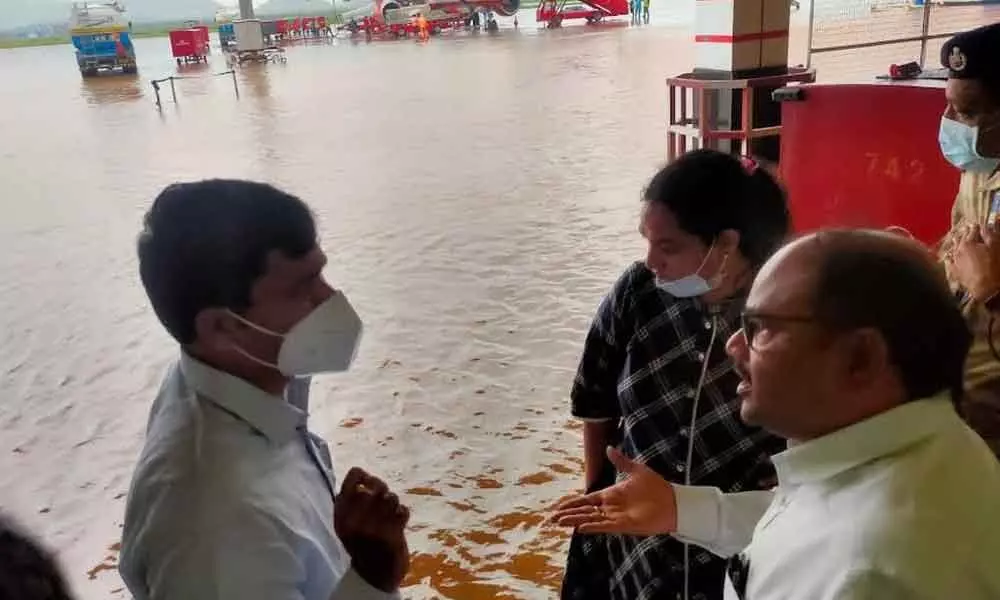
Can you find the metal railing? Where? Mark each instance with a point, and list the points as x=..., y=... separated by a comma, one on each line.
x=691, y=120
x=889, y=12
x=173, y=89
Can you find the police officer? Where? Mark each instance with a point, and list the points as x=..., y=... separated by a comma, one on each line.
x=970, y=140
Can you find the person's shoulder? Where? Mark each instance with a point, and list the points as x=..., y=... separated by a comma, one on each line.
x=167, y=508
x=193, y=461
x=635, y=278
x=178, y=535
x=918, y=503
x=188, y=435
x=634, y=282
x=173, y=446
x=972, y=182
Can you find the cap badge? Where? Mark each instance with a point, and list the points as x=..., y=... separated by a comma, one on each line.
x=957, y=60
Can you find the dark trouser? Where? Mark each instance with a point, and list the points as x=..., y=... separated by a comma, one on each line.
x=588, y=567
x=981, y=410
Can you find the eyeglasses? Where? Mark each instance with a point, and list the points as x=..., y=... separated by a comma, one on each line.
x=752, y=322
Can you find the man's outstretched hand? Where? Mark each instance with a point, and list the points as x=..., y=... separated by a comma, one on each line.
x=642, y=504
x=371, y=523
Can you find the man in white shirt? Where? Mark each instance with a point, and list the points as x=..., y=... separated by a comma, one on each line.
x=851, y=347
x=233, y=498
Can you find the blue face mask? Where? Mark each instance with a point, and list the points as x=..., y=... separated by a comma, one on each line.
x=958, y=144
x=693, y=285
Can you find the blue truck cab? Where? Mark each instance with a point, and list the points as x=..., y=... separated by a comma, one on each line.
x=104, y=49
x=227, y=35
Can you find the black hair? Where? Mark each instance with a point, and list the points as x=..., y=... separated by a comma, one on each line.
x=204, y=244
x=27, y=570
x=709, y=192
x=863, y=280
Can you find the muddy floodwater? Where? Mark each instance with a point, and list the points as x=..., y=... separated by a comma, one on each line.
x=477, y=195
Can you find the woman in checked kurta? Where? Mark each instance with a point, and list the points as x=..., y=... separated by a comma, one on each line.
x=654, y=377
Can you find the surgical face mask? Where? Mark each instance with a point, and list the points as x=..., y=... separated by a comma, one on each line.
x=324, y=341
x=958, y=144
x=693, y=285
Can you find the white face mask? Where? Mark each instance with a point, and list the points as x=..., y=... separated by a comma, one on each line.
x=694, y=285
x=958, y=144
x=324, y=341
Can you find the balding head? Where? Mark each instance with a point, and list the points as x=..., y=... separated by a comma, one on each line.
x=852, y=323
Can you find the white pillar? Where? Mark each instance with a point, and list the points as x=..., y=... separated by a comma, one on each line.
x=246, y=9
x=741, y=37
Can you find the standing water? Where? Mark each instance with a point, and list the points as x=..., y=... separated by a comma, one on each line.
x=477, y=195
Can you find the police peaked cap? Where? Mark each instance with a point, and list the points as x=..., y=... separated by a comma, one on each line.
x=974, y=54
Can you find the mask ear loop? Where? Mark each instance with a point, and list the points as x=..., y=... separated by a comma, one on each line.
x=253, y=358
x=721, y=273
x=261, y=329
x=704, y=260
x=255, y=326
x=690, y=447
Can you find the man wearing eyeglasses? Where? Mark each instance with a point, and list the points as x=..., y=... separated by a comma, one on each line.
x=852, y=348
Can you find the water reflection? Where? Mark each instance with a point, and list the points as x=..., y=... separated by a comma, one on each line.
x=255, y=83
x=111, y=89
x=193, y=69
x=195, y=79
x=255, y=80
x=477, y=194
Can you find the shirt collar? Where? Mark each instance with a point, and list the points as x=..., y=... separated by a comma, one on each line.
x=271, y=415
x=863, y=442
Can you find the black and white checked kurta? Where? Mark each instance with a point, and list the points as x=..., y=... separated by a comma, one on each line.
x=640, y=365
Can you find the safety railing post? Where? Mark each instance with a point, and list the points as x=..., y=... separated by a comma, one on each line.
x=173, y=89
x=923, y=38
x=156, y=90
x=809, y=35
x=925, y=31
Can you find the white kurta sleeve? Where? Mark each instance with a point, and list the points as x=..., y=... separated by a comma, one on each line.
x=721, y=523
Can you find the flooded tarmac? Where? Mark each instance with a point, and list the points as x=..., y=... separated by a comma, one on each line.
x=477, y=195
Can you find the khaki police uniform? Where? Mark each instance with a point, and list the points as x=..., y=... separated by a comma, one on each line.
x=976, y=55
x=978, y=202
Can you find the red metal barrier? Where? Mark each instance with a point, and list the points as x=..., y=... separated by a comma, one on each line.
x=867, y=156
